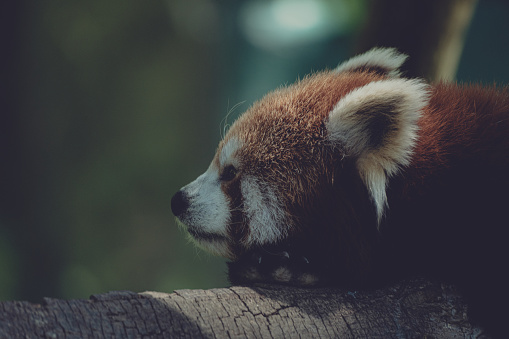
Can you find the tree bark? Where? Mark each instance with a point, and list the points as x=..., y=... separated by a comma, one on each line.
x=416, y=308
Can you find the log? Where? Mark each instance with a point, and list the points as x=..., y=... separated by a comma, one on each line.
x=415, y=308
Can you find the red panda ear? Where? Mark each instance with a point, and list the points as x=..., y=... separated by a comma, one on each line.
x=385, y=61
x=377, y=124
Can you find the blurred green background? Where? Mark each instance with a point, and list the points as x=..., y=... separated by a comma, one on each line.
x=109, y=107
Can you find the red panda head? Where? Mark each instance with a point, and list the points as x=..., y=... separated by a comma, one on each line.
x=301, y=148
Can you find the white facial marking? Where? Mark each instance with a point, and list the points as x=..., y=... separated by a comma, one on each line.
x=227, y=155
x=208, y=215
x=208, y=210
x=387, y=58
x=266, y=217
x=349, y=125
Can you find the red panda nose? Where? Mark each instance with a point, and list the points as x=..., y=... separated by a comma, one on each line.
x=179, y=203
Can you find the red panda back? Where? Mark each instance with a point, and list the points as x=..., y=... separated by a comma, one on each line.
x=447, y=210
x=464, y=123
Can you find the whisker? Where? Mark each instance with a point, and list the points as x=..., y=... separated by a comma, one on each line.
x=223, y=126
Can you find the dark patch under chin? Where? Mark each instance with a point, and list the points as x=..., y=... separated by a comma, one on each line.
x=206, y=236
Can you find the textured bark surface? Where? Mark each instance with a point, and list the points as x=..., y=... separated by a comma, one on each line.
x=412, y=309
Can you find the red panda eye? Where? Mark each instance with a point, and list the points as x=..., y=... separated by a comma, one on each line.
x=229, y=173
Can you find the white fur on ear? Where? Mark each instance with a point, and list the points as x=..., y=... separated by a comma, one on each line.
x=377, y=124
x=382, y=60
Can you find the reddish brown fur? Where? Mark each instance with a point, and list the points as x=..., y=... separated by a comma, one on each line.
x=462, y=124
x=285, y=144
x=284, y=136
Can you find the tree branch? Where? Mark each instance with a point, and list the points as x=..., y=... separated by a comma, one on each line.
x=431, y=32
x=414, y=308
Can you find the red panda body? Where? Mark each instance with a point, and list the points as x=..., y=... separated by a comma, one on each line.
x=451, y=200
x=358, y=176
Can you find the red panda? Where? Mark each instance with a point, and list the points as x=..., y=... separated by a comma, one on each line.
x=357, y=175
